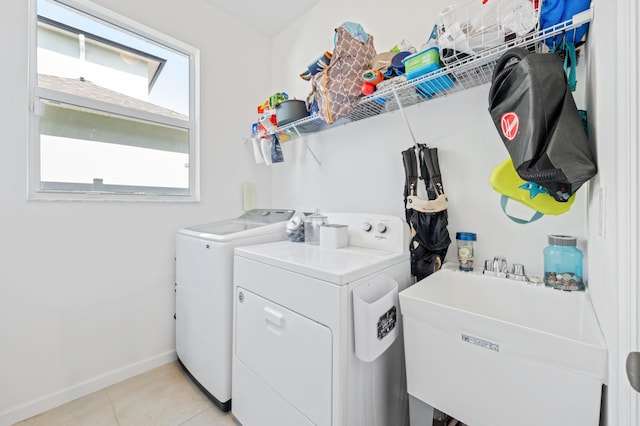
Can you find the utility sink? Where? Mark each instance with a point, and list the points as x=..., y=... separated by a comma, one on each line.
x=492, y=351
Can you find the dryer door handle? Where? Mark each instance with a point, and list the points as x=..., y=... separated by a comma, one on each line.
x=274, y=317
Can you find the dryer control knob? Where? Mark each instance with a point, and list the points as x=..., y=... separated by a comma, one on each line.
x=366, y=227
x=381, y=228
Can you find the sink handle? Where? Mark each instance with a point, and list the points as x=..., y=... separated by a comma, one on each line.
x=500, y=266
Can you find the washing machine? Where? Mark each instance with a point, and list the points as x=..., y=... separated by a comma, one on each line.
x=204, y=294
x=317, y=331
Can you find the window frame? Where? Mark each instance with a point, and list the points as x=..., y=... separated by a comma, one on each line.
x=38, y=94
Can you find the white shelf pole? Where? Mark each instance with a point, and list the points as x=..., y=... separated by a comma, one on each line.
x=413, y=137
x=306, y=145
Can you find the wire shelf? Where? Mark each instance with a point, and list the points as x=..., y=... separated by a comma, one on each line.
x=463, y=74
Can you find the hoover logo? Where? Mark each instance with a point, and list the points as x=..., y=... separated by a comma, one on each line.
x=509, y=123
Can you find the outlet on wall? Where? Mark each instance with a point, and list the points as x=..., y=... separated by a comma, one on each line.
x=248, y=196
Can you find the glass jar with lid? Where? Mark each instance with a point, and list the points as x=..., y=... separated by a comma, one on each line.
x=312, y=224
x=563, y=263
x=466, y=245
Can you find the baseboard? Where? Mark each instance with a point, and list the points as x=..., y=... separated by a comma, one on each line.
x=70, y=393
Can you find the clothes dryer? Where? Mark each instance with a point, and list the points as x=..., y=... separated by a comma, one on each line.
x=204, y=294
x=296, y=358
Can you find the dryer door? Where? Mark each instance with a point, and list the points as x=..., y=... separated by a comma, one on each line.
x=288, y=352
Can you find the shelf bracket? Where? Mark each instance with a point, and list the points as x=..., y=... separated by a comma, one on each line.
x=306, y=145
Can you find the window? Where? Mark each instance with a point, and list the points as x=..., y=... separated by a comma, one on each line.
x=114, y=107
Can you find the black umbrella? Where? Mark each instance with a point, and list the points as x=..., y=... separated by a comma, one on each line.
x=427, y=218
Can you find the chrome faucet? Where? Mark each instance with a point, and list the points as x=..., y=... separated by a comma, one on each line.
x=498, y=267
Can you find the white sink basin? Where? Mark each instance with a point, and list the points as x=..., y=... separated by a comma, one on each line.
x=492, y=351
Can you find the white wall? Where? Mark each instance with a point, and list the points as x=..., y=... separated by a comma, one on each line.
x=602, y=235
x=86, y=288
x=361, y=163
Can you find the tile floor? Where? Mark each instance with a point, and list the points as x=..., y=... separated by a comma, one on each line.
x=164, y=396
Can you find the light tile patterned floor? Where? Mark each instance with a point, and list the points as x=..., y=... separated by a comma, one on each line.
x=164, y=396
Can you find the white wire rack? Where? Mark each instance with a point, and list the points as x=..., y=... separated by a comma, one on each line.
x=473, y=70
x=480, y=25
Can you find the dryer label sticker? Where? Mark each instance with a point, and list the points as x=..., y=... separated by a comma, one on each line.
x=387, y=322
x=487, y=344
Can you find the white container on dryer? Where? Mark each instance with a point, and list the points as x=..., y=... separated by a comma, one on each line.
x=204, y=294
x=294, y=359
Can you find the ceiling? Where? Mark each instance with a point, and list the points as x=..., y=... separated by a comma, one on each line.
x=267, y=17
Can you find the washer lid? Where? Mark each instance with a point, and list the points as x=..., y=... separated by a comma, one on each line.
x=253, y=222
x=338, y=266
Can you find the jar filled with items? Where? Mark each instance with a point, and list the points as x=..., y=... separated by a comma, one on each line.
x=563, y=263
x=466, y=242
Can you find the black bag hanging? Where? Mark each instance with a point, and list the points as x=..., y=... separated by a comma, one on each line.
x=535, y=114
x=427, y=219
